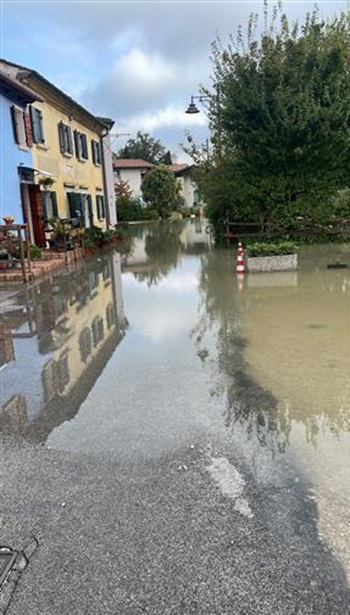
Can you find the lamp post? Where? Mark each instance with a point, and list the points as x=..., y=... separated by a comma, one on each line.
x=193, y=109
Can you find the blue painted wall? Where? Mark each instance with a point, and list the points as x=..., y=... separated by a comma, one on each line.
x=11, y=156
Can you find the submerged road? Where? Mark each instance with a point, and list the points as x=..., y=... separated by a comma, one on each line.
x=155, y=472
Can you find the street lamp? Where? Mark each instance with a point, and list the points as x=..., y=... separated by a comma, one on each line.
x=192, y=107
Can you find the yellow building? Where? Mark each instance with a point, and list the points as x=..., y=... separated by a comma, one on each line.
x=67, y=179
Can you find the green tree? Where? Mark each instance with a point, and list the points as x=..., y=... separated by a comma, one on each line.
x=145, y=147
x=160, y=189
x=281, y=120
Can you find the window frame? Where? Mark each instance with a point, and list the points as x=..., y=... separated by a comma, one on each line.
x=65, y=139
x=81, y=146
x=96, y=152
x=37, y=122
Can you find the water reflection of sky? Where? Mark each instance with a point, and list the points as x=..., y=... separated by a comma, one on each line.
x=153, y=394
x=167, y=308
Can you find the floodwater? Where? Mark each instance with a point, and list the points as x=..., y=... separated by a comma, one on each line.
x=153, y=349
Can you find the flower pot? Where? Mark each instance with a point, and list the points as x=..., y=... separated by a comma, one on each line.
x=280, y=262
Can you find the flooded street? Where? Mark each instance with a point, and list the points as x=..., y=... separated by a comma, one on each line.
x=298, y=347
x=218, y=409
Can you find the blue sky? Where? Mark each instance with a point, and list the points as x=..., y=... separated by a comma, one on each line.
x=137, y=61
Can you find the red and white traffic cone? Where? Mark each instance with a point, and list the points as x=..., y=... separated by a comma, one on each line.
x=240, y=261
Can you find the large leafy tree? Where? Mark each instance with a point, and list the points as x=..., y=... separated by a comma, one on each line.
x=159, y=189
x=281, y=120
x=145, y=147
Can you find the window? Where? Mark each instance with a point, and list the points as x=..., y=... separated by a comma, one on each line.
x=81, y=147
x=36, y=117
x=85, y=344
x=97, y=329
x=96, y=152
x=75, y=203
x=65, y=138
x=80, y=206
x=18, y=125
x=49, y=201
x=100, y=207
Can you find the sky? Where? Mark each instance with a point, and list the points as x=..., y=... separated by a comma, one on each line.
x=137, y=62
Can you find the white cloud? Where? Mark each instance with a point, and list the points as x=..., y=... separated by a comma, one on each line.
x=149, y=71
x=163, y=118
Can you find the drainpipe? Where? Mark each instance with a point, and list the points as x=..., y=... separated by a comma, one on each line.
x=105, y=185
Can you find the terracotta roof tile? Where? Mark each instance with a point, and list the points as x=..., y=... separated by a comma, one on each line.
x=130, y=163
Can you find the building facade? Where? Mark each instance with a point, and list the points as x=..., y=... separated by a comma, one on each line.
x=188, y=189
x=14, y=98
x=131, y=172
x=66, y=178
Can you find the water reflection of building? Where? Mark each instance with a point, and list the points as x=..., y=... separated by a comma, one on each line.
x=158, y=247
x=194, y=236
x=55, y=346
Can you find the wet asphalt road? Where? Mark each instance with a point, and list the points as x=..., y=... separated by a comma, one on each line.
x=162, y=537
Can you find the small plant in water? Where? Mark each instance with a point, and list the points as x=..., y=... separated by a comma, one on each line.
x=260, y=248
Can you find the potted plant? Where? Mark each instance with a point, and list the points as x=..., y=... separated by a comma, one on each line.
x=61, y=235
x=9, y=220
x=46, y=182
x=272, y=256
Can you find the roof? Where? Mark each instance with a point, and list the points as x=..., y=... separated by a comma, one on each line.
x=131, y=163
x=16, y=91
x=180, y=169
x=107, y=121
x=25, y=73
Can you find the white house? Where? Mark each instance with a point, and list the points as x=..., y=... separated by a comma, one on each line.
x=188, y=191
x=133, y=171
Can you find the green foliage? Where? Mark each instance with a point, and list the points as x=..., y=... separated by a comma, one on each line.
x=280, y=122
x=132, y=209
x=35, y=252
x=12, y=247
x=160, y=189
x=260, y=248
x=145, y=147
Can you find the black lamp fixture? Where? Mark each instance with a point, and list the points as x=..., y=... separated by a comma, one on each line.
x=192, y=107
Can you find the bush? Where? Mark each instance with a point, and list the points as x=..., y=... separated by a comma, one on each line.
x=35, y=252
x=260, y=248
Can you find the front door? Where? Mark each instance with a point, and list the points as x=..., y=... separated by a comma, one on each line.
x=37, y=213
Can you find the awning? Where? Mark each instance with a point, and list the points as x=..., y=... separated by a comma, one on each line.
x=27, y=174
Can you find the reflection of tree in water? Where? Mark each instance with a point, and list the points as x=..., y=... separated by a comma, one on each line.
x=152, y=277
x=247, y=404
x=162, y=246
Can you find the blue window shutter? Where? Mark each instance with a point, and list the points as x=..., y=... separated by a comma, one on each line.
x=93, y=151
